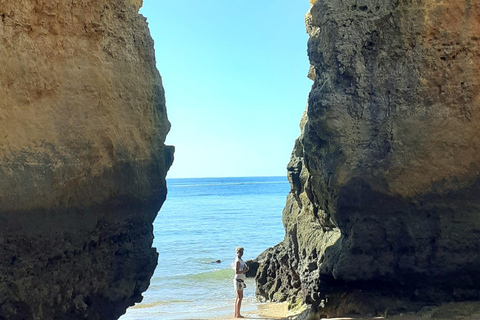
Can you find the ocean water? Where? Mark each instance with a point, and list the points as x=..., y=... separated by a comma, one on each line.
x=202, y=221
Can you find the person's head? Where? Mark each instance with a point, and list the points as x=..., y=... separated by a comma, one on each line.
x=239, y=251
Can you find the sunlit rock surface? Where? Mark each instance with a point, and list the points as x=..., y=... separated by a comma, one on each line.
x=82, y=158
x=384, y=211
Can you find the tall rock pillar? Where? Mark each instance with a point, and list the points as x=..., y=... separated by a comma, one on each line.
x=82, y=158
x=385, y=199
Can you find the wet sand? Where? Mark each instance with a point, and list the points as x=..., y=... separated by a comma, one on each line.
x=267, y=311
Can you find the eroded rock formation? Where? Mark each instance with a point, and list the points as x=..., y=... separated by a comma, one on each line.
x=384, y=210
x=82, y=158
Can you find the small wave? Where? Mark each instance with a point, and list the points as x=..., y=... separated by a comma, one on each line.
x=211, y=275
x=158, y=303
x=217, y=274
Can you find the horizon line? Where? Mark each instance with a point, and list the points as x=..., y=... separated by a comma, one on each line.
x=218, y=177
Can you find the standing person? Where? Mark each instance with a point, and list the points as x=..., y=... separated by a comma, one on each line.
x=239, y=281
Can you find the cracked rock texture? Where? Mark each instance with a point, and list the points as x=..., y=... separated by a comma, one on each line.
x=82, y=158
x=384, y=208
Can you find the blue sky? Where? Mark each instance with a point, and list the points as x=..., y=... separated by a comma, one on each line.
x=234, y=74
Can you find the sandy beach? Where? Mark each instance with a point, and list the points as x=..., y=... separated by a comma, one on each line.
x=267, y=311
x=450, y=311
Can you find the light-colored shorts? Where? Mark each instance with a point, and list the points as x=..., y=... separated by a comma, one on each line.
x=238, y=285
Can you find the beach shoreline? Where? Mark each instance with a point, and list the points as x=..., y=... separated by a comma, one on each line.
x=264, y=311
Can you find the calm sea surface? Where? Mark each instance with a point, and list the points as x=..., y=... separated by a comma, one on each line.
x=202, y=221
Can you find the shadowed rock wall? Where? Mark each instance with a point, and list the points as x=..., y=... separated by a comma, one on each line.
x=384, y=210
x=82, y=158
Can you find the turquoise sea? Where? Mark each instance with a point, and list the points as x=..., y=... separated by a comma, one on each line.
x=202, y=221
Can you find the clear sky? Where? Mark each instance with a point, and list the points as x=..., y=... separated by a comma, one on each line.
x=235, y=78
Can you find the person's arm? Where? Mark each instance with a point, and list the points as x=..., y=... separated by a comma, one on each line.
x=237, y=268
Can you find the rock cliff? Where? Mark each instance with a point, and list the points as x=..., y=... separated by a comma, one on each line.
x=384, y=208
x=82, y=158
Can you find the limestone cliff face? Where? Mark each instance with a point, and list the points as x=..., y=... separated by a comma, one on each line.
x=385, y=197
x=82, y=158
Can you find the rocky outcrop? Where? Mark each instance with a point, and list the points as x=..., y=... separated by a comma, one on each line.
x=82, y=158
x=384, y=208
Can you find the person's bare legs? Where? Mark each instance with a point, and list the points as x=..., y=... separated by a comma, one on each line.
x=238, y=303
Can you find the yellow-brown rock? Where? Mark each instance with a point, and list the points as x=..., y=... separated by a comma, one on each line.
x=82, y=158
x=384, y=212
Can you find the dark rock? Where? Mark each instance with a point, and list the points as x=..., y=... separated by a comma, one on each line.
x=254, y=264
x=384, y=202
